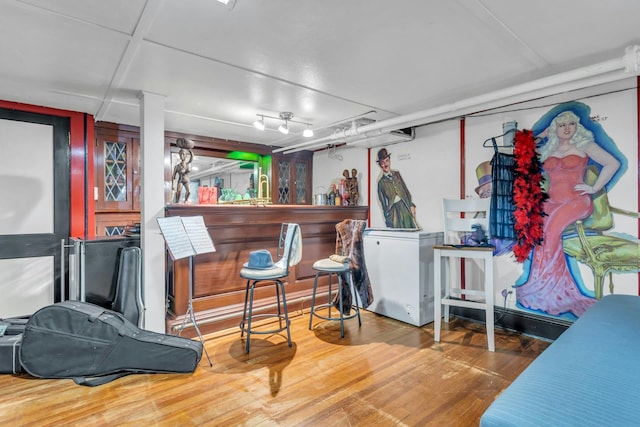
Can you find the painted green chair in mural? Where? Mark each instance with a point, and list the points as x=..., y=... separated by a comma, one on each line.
x=589, y=243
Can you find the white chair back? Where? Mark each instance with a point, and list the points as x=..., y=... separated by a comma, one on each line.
x=289, y=246
x=460, y=215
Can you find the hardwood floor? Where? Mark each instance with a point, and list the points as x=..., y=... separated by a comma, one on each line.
x=385, y=373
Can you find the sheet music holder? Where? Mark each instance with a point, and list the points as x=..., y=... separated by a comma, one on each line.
x=187, y=237
x=198, y=234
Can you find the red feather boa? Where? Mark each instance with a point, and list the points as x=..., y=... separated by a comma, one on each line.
x=528, y=195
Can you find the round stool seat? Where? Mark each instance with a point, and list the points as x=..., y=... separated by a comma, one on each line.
x=264, y=274
x=330, y=265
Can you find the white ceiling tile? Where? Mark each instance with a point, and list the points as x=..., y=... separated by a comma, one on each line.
x=325, y=61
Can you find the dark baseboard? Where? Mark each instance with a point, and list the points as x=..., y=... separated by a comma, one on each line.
x=527, y=323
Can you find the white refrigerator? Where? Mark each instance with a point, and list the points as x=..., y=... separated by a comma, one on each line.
x=400, y=268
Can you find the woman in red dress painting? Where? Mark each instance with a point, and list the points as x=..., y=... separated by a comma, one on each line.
x=550, y=286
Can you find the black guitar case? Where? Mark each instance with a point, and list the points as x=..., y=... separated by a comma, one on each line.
x=128, y=299
x=9, y=354
x=10, y=340
x=94, y=345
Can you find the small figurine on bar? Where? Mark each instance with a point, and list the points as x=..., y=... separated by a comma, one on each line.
x=354, y=192
x=352, y=186
x=181, y=171
x=331, y=196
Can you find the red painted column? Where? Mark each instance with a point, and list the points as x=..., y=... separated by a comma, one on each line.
x=369, y=186
x=463, y=157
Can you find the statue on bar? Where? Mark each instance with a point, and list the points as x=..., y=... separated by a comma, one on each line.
x=180, y=177
x=352, y=187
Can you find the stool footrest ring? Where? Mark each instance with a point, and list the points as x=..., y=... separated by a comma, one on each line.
x=281, y=318
x=331, y=306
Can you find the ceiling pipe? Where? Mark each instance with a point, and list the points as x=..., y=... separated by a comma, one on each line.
x=603, y=72
x=349, y=136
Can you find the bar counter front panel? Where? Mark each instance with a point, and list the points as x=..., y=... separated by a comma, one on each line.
x=236, y=230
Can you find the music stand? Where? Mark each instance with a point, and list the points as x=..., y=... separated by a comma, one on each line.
x=187, y=237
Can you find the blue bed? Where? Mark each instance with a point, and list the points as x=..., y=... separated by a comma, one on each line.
x=590, y=376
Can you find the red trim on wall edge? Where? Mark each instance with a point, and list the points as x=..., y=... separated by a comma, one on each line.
x=77, y=161
x=463, y=156
x=90, y=218
x=369, y=186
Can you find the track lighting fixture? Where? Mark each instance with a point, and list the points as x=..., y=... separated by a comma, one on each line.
x=259, y=124
x=228, y=3
x=286, y=117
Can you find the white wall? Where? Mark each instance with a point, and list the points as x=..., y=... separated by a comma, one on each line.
x=616, y=104
x=430, y=166
x=328, y=167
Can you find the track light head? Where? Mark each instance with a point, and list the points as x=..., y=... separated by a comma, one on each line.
x=228, y=3
x=259, y=124
x=284, y=128
x=286, y=116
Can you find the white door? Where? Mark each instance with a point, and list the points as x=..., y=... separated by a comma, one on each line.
x=34, y=209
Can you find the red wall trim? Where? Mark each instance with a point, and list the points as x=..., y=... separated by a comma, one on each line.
x=77, y=176
x=80, y=131
x=463, y=157
x=90, y=206
x=369, y=186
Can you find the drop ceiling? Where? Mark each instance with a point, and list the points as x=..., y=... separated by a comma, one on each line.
x=326, y=61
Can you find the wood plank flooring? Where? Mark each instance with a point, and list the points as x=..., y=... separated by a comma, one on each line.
x=385, y=373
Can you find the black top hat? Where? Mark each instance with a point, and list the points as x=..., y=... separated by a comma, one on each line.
x=382, y=154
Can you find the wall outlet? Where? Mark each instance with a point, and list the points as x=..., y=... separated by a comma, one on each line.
x=506, y=292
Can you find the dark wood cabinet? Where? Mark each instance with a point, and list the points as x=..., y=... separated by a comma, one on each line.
x=117, y=179
x=291, y=178
x=118, y=170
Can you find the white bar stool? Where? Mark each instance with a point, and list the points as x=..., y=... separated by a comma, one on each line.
x=476, y=211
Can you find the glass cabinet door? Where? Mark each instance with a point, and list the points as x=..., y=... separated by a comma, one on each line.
x=301, y=182
x=117, y=179
x=284, y=172
x=115, y=171
x=292, y=179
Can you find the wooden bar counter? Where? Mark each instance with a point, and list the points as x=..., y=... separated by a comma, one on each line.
x=236, y=230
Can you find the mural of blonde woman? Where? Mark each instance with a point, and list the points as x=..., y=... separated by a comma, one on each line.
x=548, y=283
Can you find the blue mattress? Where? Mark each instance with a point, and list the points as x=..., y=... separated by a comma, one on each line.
x=590, y=376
